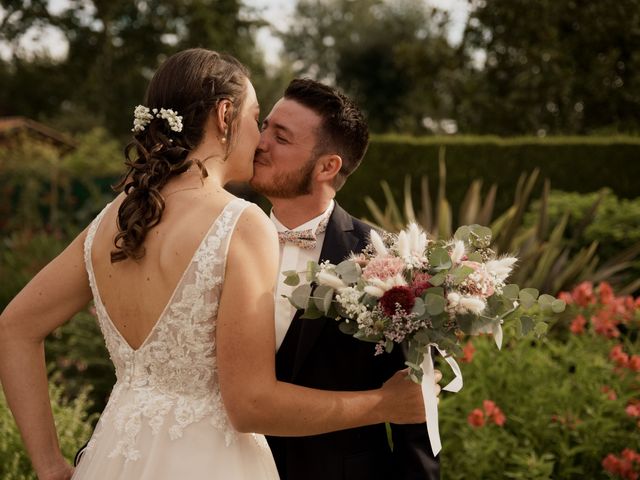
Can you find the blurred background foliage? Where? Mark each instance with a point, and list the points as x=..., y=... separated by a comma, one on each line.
x=527, y=122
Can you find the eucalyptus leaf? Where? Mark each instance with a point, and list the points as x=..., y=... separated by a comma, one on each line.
x=434, y=304
x=459, y=274
x=463, y=233
x=541, y=328
x=558, y=306
x=545, y=301
x=418, y=307
x=511, y=291
x=312, y=312
x=388, y=346
x=349, y=328
x=360, y=335
x=527, y=324
x=438, y=279
x=349, y=271
x=526, y=299
x=475, y=257
x=439, y=259
x=300, y=296
x=531, y=291
x=422, y=336
x=322, y=297
x=312, y=271
x=291, y=278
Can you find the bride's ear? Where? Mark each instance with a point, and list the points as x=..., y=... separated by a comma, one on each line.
x=223, y=113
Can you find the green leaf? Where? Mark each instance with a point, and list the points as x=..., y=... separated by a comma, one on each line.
x=531, y=291
x=527, y=324
x=291, y=278
x=388, y=346
x=526, y=299
x=545, y=301
x=322, y=297
x=360, y=335
x=435, y=304
x=349, y=328
x=422, y=336
x=312, y=312
x=511, y=291
x=349, y=271
x=475, y=257
x=300, y=296
x=558, y=306
x=418, y=307
x=541, y=328
x=460, y=273
x=312, y=271
x=438, y=279
x=439, y=260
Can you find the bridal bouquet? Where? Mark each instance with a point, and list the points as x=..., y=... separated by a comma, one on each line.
x=408, y=289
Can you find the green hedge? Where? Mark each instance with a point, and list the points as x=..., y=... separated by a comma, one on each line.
x=580, y=164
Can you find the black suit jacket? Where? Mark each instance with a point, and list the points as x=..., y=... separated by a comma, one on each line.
x=314, y=353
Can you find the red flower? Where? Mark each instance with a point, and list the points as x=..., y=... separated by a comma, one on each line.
x=420, y=284
x=468, y=351
x=611, y=464
x=577, y=325
x=606, y=293
x=634, y=363
x=397, y=296
x=493, y=411
x=617, y=355
x=633, y=409
x=583, y=294
x=476, y=418
x=566, y=296
x=499, y=418
x=609, y=392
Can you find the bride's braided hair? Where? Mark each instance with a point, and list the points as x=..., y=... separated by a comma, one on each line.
x=191, y=83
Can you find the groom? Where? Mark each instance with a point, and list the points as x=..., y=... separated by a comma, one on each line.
x=311, y=141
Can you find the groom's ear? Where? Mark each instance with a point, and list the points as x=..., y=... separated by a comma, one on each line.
x=328, y=167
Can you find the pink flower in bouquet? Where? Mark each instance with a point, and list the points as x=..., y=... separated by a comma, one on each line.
x=479, y=282
x=476, y=418
x=626, y=466
x=420, y=283
x=397, y=297
x=383, y=267
x=577, y=325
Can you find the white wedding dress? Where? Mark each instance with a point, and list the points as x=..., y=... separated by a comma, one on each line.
x=165, y=418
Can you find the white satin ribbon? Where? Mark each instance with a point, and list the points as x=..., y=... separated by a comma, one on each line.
x=429, y=394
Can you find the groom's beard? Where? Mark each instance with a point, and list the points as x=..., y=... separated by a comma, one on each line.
x=291, y=185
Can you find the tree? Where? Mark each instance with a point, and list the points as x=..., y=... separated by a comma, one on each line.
x=392, y=57
x=552, y=66
x=114, y=48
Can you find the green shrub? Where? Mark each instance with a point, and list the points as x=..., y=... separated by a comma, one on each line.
x=563, y=397
x=72, y=423
x=581, y=164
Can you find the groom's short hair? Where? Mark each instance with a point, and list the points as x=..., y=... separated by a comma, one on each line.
x=343, y=129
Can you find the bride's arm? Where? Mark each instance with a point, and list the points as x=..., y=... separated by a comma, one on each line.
x=51, y=298
x=254, y=399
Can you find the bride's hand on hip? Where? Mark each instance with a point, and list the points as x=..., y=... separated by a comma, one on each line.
x=403, y=398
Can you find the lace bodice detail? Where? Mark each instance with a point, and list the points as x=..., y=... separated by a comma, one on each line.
x=171, y=379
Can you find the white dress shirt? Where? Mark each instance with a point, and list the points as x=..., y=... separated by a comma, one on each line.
x=294, y=258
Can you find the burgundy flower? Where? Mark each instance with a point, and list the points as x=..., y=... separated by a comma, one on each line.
x=420, y=284
x=402, y=296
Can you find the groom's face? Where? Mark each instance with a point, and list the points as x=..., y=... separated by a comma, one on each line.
x=285, y=158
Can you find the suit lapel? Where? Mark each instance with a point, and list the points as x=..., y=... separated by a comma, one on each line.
x=339, y=242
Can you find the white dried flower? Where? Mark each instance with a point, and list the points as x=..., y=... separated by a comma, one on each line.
x=142, y=116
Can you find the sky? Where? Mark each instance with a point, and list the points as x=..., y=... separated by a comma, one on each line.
x=276, y=12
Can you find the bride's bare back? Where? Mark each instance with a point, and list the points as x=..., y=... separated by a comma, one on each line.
x=135, y=293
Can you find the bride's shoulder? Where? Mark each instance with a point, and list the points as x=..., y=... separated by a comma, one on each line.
x=254, y=221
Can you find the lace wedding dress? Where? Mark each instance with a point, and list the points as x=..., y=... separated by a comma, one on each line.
x=165, y=418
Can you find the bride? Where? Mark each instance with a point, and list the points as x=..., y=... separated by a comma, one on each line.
x=182, y=274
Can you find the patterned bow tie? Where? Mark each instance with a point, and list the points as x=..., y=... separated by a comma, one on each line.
x=306, y=239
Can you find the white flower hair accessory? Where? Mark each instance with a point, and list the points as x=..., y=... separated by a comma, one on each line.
x=142, y=116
